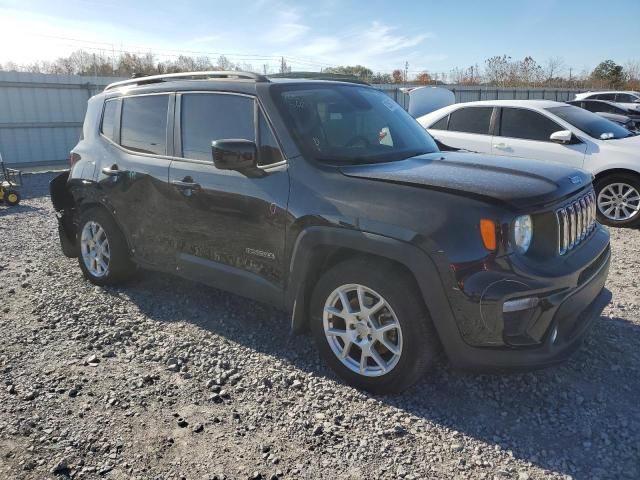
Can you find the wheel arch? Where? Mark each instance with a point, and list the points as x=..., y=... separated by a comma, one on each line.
x=615, y=171
x=90, y=203
x=319, y=248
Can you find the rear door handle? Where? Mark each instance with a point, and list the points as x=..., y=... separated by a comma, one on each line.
x=501, y=145
x=186, y=186
x=112, y=171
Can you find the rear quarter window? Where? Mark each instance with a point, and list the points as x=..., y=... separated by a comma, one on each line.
x=441, y=124
x=107, y=127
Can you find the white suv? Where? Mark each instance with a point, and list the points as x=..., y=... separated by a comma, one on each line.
x=627, y=99
x=554, y=131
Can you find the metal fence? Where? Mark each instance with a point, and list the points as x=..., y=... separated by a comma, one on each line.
x=475, y=93
x=41, y=115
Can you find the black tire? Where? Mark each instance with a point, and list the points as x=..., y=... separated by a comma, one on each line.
x=12, y=197
x=120, y=266
x=626, y=178
x=421, y=345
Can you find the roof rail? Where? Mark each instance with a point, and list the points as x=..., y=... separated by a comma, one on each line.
x=340, y=77
x=187, y=76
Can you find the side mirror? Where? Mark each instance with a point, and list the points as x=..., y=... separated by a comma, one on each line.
x=234, y=154
x=561, y=136
x=637, y=100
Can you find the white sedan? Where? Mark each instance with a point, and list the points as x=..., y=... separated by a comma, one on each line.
x=552, y=131
x=626, y=99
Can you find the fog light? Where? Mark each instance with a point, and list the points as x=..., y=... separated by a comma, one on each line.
x=520, y=304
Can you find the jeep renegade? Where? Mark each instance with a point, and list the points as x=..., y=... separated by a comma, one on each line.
x=328, y=200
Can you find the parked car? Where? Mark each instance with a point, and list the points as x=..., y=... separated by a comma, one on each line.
x=551, y=131
x=627, y=117
x=627, y=99
x=329, y=200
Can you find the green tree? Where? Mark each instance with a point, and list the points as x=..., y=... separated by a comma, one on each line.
x=608, y=73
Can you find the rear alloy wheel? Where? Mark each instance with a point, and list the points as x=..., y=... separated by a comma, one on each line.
x=618, y=200
x=371, y=327
x=94, y=246
x=103, y=253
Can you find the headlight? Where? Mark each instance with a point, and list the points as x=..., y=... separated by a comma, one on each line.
x=522, y=233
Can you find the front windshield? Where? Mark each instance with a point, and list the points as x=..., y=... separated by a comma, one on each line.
x=349, y=124
x=590, y=123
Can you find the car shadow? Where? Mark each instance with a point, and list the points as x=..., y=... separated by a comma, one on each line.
x=6, y=211
x=571, y=419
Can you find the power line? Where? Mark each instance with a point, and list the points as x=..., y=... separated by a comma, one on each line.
x=182, y=52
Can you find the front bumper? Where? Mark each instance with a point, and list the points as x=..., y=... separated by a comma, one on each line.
x=572, y=319
x=567, y=305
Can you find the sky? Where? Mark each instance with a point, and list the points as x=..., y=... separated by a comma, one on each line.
x=431, y=35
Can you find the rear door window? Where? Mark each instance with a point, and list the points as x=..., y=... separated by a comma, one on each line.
x=209, y=117
x=144, y=124
x=471, y=120
x=600, y=107
x=109, y=119
x=527, y=125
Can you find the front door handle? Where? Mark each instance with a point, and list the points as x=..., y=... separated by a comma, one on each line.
x=501, y=145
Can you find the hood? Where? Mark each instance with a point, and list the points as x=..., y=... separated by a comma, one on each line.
x=629, y=145
x=491, y=177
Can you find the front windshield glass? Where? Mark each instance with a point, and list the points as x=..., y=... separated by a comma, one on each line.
x=590, y=123
x=350, y=124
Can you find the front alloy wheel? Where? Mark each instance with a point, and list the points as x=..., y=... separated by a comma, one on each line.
x=371, y=326
x=619, y=202
x=362, y=330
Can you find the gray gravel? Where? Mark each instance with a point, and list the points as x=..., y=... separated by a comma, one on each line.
x=164, y=378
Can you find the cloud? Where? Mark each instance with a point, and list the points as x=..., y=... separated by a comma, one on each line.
x=204, y=40
x=287, y=28
x=376, y=45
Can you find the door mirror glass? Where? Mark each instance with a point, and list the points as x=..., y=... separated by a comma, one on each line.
x=234, y=154
x=561, y=136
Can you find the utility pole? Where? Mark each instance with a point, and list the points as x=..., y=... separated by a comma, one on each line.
x=406, y=73
x=264, y=68
x=570, y=69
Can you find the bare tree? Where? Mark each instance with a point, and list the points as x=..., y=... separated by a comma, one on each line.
x=224, y=63
x=497, y=69
x=632, y=69
x=554, y=67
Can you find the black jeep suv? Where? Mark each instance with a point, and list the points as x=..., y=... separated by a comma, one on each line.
x=327, y=199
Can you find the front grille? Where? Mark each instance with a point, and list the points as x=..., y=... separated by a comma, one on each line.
x=575, y=222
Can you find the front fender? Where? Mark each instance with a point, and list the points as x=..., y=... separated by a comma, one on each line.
x=415, y=260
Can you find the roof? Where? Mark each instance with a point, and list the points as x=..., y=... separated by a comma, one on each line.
x=220, y=78
x=514, y=103
x=608, y=91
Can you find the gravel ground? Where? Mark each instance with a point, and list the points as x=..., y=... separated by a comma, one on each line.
x=164, y=378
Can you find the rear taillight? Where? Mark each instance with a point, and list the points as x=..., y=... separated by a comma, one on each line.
x=73, y=159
